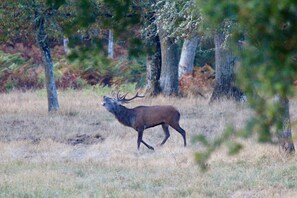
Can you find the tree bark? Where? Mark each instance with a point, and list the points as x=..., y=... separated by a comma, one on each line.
x=186, y=62
x=65, y=45
x=285, y=134
x=153, y=66
x=169, y=69
x=41, y=38
x=225, y=75
x=110, y=44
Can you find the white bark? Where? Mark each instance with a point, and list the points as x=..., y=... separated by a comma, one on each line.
x=187, y=57
x=65, y=44
x=110, y=44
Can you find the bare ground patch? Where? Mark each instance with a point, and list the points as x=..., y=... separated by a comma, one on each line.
x=85, y=139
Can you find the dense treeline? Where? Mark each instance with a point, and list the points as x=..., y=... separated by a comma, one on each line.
x=93, y=67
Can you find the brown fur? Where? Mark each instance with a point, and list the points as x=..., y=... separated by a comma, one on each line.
x=143, y=117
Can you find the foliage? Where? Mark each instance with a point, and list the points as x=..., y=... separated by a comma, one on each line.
x=205, y=52
x=17, y=20
x=66, y=77
x=8, y=65
x=92, y=17
x=82, y=21
x=17, y=73
x=179, y=18
x=198, y=83
x=134, y=70
x=94, y=67
x=11, y=19
x=10, y=62
x=267, y=66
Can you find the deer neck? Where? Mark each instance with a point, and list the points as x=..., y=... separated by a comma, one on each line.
x=124, y=115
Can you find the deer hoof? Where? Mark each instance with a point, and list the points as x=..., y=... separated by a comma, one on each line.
x=152, y=148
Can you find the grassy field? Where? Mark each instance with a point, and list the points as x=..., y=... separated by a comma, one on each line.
x=82, y=151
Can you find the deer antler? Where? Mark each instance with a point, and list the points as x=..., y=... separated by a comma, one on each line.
x=123, y=98
x=119, y=97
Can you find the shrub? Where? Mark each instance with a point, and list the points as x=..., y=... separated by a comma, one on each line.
x=16, y=72
x=199, y=82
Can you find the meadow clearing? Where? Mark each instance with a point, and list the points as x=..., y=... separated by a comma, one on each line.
x=83, y=151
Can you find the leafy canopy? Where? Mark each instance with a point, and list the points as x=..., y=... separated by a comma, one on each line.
x=267, y=66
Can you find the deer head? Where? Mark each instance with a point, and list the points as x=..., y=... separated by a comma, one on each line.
x=111, y=104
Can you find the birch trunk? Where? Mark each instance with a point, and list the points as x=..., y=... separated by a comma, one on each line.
x=110, y=44
x=65, y=45
x=186, y=62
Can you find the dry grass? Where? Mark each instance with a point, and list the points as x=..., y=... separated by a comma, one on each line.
x=36, y=161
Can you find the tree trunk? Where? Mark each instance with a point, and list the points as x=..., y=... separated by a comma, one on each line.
x=110, y=44
x=187, y=57
x=285, y=134
x=65, y=45
x=225, y=76
x=41, y=37
x=169, y=69
x=153, y=67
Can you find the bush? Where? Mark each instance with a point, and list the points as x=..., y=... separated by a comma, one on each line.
x=95, y=68
x=205, y=52
x=16, y=72
x=82, y=69
x=200, y=82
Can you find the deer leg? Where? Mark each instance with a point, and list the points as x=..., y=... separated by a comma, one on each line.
x=148, y=146
x=167, y=134
x=139, y=140
x=181, y=131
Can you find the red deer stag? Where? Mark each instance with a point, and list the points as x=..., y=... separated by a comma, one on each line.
x=144, y=117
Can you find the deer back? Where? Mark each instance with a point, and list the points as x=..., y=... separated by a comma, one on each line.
x=150, y=116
